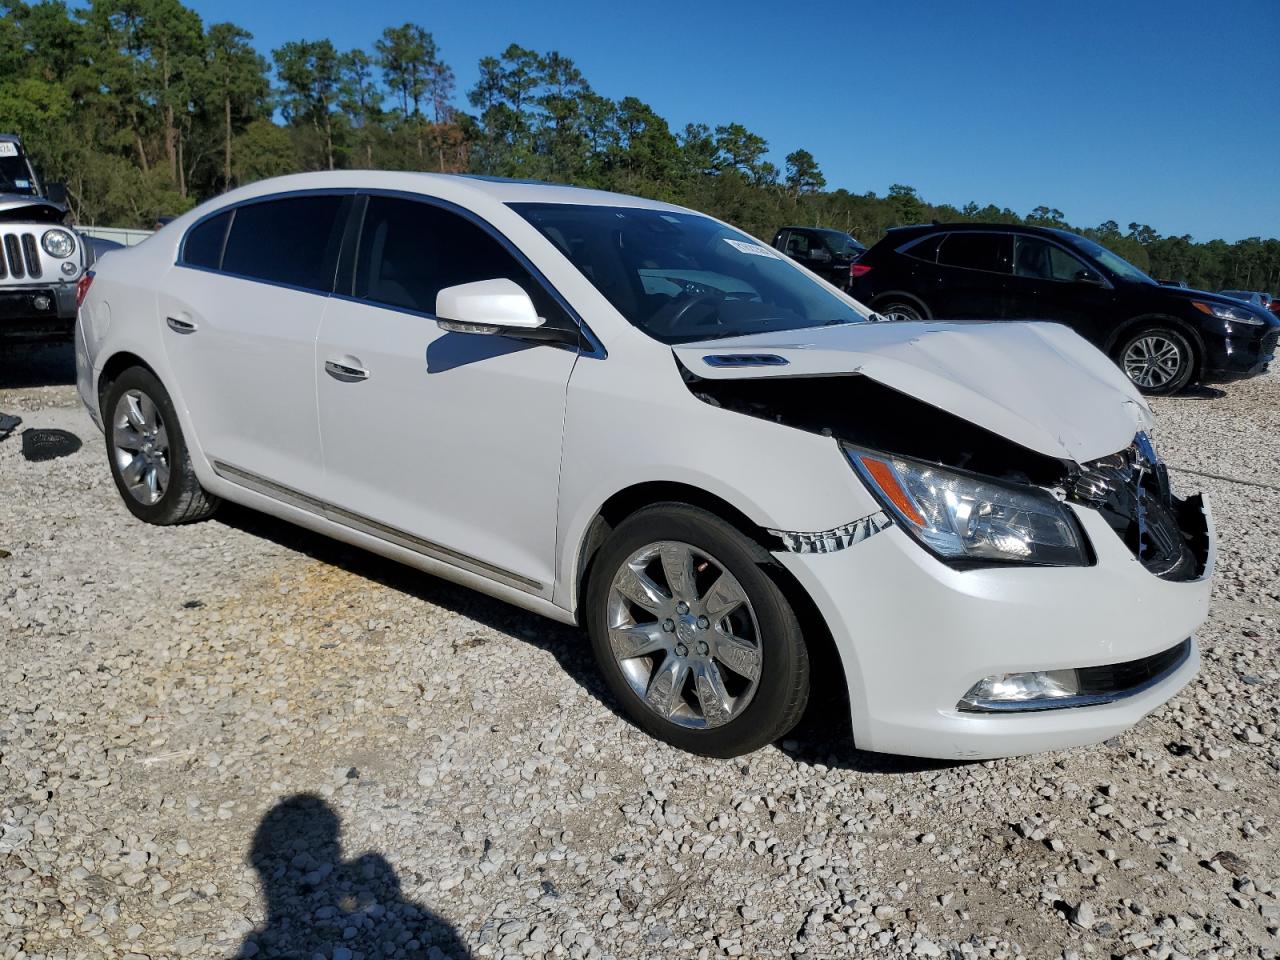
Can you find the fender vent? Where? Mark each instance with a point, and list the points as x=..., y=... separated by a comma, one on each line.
x=745, y=360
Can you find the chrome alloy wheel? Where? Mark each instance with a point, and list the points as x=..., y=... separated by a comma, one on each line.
x=684, y=635
x=140, y=446
x=1152, y=361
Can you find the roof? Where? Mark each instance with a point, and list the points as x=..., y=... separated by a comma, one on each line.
x=984, y=228
x=496, y=189
x=10, y=138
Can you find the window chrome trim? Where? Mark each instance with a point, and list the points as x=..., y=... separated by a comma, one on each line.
x=374, y=528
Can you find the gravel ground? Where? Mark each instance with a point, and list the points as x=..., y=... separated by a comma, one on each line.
x=239, y=739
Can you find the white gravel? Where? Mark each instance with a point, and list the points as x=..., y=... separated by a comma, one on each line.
x=167, y=694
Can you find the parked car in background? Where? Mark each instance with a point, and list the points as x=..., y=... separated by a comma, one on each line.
x=831, y=254
x=1255, y=297
x=1162, y=337
x=41, y=258
x=620, y=413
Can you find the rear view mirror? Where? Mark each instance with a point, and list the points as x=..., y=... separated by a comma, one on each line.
x=487, y=306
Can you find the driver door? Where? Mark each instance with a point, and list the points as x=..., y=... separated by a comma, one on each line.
x=445, y=443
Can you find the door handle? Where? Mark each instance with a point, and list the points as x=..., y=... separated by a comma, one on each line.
x=345, y=371
x=180, y=324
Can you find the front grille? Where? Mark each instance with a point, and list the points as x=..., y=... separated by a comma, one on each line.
x=1131, y=490
x=1126, y=677
x=33, y=254
x=13, y=254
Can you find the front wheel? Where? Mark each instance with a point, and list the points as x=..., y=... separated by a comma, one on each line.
x=695, y=639
x=1158, y=360
x=900, y=310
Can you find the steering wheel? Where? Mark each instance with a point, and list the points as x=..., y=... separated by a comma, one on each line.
x=694, y=299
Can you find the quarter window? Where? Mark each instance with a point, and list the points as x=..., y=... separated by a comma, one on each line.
x=292, y=241
x=977, y=251
x=1045, y=261
x=203, y=246
x=410, y=251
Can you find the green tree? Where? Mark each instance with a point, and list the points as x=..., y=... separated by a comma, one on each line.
x=803, y=175
x=237, y=82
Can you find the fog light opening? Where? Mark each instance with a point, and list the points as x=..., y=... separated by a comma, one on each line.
x=1028, y=689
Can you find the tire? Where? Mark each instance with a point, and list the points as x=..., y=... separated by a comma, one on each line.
x=743, y=679
x=896, y=308
x=148, y=454
x=1158, y=359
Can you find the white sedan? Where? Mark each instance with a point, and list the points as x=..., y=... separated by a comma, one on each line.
x=624, y=414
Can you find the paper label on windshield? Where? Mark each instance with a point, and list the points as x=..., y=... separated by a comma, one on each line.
x=8, y=149
x=752, y=248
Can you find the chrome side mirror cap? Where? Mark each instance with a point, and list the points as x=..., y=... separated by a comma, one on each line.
x=498, y=306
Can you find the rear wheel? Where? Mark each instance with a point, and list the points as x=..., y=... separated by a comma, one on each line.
x=897, y=309
x=694, y=637
x=1159, y=360
x=148, y=454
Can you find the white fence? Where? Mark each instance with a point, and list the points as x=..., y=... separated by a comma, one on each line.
x=123, y=235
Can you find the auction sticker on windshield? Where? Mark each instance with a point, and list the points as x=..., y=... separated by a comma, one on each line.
x=752, y=248
x=8, y=149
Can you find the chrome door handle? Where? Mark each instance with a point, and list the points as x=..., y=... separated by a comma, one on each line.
x=180, y=324
x=345, y=372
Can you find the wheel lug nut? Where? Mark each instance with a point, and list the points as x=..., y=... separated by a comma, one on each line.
x=703, y=623
x=703, y=649
x=669, y=626
x=682, y=650
x=682, y=608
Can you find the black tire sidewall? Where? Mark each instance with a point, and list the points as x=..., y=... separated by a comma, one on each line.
x=164, y=510
x=889, y=306
x=1184, y=346
x=783, y=686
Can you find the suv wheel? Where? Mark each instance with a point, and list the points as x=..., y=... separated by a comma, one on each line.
x=148, y=453
x=694, y=638
x=900, y=310
x=1158, y=359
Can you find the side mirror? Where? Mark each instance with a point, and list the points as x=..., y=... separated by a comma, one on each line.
x=487, y=306
x=57, y=192
x=821, y=254
x=1088, y=276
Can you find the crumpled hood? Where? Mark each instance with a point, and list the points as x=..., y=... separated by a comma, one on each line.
x=1040, y=385
x=19, y=207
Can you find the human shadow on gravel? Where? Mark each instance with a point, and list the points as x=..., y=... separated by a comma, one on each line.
x=824, y=734
x=37, y=365
x=319, y=905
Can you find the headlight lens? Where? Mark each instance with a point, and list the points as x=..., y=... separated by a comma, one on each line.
x=963, y=517
x=1224, y=312
x=58, y=243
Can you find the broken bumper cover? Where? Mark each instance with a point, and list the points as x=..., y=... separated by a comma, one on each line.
x=915, y=634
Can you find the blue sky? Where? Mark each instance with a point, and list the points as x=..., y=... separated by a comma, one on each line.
x=1166, y=112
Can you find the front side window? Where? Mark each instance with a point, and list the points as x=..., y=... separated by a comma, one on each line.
x=798, y=244
x=1112, y=261
x=992, y=252
x=681, y=277
x=1037, y=258
x=841, y=244
x=410, y=251
x=292, y=241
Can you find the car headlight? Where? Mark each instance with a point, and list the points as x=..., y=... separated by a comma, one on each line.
x=964, y=517
x=58, y=243
x=1224, y=312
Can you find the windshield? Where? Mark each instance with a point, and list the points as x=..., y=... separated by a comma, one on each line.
x=1113, y=262
x=841, y=244
x=682, y=277
x=15, y=177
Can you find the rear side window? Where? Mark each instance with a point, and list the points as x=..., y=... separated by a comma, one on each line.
x=977, y=251
x=1038, y=258
x=292, y=241
x=410, y=251
x=924, y=249
x=203, y=246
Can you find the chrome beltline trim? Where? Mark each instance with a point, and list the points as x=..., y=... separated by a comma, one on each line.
x=371, y=527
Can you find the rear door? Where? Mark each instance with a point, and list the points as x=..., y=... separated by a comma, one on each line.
x=973, y=270
x=241, y=311
x=445, y=443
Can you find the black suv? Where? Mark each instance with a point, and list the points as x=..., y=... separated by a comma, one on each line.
x=828, y=253
x=1163, y=337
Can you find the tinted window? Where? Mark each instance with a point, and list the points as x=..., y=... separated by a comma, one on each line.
x=798, y=244
x=1034, y=257
x=293, y=241
x=410, y=251
x=977, y=251
x=681, y=277
x=203, y=246
x=926, y=249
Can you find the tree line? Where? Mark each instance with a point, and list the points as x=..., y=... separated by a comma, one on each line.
x=142, y=109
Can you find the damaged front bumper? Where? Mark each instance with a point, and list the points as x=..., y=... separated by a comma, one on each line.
x=916, y=634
